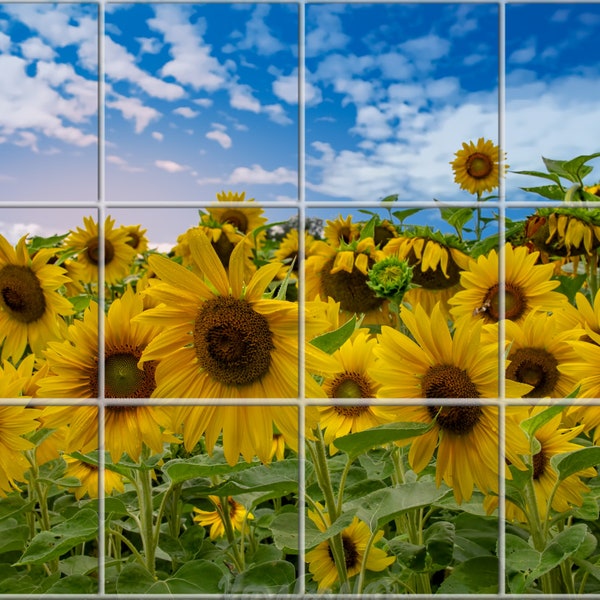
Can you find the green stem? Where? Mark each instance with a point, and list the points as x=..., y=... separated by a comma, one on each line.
x=147, y=513
x=134, y=550
x=343, y=478
x=336, y=542
x=238, y=558
x=363, y=566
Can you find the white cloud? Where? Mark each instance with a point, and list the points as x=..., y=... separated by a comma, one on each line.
x=123, y=165
x=149, y=45
x=34, y=48
x=525, y=54
x=209, y=181
x=277, y=114
x=371, y=123
x=186, y=111
x=221, y=137
x=325, y=29
x=204, y=102
x=286, y=87
x=132, y=109
x=27, y=139
x=258, y=35
x=257, y=175
x=192, y=62
x=13, y=232
x=170, y=166
x=4, y=42
x=425, y=50
x=240, y=97
x=158, y=136
x=120, y=65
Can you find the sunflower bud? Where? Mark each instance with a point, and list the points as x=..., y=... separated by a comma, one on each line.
x=390, y=278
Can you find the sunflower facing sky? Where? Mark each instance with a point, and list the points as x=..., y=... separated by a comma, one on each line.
x=476, y=166
x=31, y=309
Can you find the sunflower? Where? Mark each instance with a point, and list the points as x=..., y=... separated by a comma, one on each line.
x=137, y=238
x=554, y=439
x=238, y=516
x=589, y=417
x=118, y=254
x=341, y=231
x=355, y=539
x=352, y=380
x=585, y=369
x=244, y=220
x=88, y=477
x=476, y=166
x=566, y=231
x=288, y=251
x=536, y=349
x=73, y=366
x=15, y=422
x=437, y=364
x=224, y=340
x=467, y=442
x=342, y=274
x=31, y=307
x=246, y=430
x=525, y=285
x=437, y=266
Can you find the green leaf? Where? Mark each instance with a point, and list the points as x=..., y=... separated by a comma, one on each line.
x=570, y=286
x=78, y=565
x=361, y=441
x=475, y=576
x=552, y=176
x=47, y=545
x=531, y=425
x=570, y=463
x=80, y=303
x=390, y=198
x=37, y=242
x=520, y=556
x=565, y=544
x=368, y=229
x=284, y=528
x=332, y=340
x=279, y=478
x=552, y=192
x=404, y=214
x=74, y=584
x=276, y=577
x=384, y=505
x=439, y=539
x=203, y=465
x=560, y=168
x=264, y=553
x=12, y=535
x=196, y=577
x=577, y=166
x=134, y=579
x=412, y=556
x=457, y=217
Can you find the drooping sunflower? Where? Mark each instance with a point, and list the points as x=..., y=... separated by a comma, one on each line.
x=584, y=370
x=89, y=479
x=341, y=273
x=31, y=307
x=536, y=349
x=238, y=516
x=476, y=166
x=73, y=366
x=355, y=539
x=566, y=231
x=437, y=266
x=467, y=442
x=118, y=254
x=437, y=364
x=224, y=340
x=525, y=285
x=15, y=422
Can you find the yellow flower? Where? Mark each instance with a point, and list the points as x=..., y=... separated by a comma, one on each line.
x=476, y=166
x=223, y=339
x=88, y=476
x=355, y=538
x=118, y=254
x=526, y=287
x=341, y=231
x=137, y=238
x=238, y=516
x=31, y=308
x=436, y=364
x=15, y=422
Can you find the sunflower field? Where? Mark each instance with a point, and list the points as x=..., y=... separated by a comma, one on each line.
x=401, y=400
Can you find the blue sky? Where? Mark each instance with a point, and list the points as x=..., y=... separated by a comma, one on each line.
x=201, y=98
x=48, y=102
